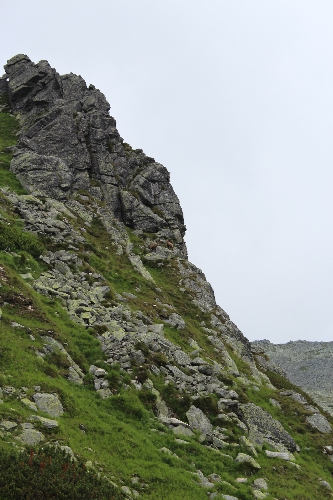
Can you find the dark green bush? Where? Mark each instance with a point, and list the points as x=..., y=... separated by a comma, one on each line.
x=141, y=373
x=130, y=406
x=147, y=398
x=50, y=474
x=178, y=402
x=208, y=405
x=114, y=379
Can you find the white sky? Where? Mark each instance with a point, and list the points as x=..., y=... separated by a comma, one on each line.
x=235, y=98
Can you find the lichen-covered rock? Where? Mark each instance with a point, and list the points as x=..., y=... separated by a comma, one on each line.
x=320, y=423
x=203, y=480
x=138, y=266
x=30, y=437
x=260, y=484
x=325, y=484
x=198, y=420
x=7, y=425
x=46, y=422
x=180, y=430
x=260, y=495
x=245, y=442
x=176, y=320
x=29, y=404
x=283, y=455
x=68, y=139
x=48, y=403
x=264, y=428
x=243, y=458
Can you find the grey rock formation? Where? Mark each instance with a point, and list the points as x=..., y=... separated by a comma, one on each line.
x=30, y=437
x=320, y=423
x=198, y=420
x=48, y=403
x=243, y=458
x=69, y=142
x=308, y=365
x=264, y=428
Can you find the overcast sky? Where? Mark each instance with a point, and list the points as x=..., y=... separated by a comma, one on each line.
x=235, y=98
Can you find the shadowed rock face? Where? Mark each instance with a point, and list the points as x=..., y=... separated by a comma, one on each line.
x=69, y=142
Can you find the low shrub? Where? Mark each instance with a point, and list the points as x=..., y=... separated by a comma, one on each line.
x=50, y=473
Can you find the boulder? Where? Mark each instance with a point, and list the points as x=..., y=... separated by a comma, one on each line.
x=30, y=437
x=203, y=480
x=320, y=423
x=176, y=320
x=243, y=458
x=48, y=403
x=7, y=425
x=198, y=420
x=264, y=428
x=283, y=455
x=46, y=422
x=181, y=358
x=260, y=484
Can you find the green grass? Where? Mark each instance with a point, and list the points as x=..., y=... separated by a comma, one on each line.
x=117, y=429
x=8, y=129
x=119, y=438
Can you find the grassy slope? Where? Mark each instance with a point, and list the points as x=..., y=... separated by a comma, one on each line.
x=122, y=436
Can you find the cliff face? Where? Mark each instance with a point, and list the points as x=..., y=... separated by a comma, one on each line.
x=69, y=143
x=111, y=343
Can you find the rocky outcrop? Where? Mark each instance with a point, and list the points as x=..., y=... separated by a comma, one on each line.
x=69, y=142
x=48, y=403
x=263, y=428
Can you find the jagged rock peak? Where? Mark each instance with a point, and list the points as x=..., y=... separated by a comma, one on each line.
x=69, y=143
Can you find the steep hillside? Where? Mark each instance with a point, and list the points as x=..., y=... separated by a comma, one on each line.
x=112, y=346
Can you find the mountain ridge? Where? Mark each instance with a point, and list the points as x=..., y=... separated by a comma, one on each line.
x=306, y=364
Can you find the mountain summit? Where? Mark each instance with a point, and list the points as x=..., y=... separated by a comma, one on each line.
x=69, y=142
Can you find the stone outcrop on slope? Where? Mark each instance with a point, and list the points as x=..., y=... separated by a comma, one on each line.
x=263, y=428
x=308, y=365
x=69, y=142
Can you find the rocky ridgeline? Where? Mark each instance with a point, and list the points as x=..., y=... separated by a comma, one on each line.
x=308, y=365
x=69, y=142
x=77, y=170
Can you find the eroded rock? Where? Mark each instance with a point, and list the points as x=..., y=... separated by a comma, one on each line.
x=198, y=420
x=48, y=403
x=264, y=428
